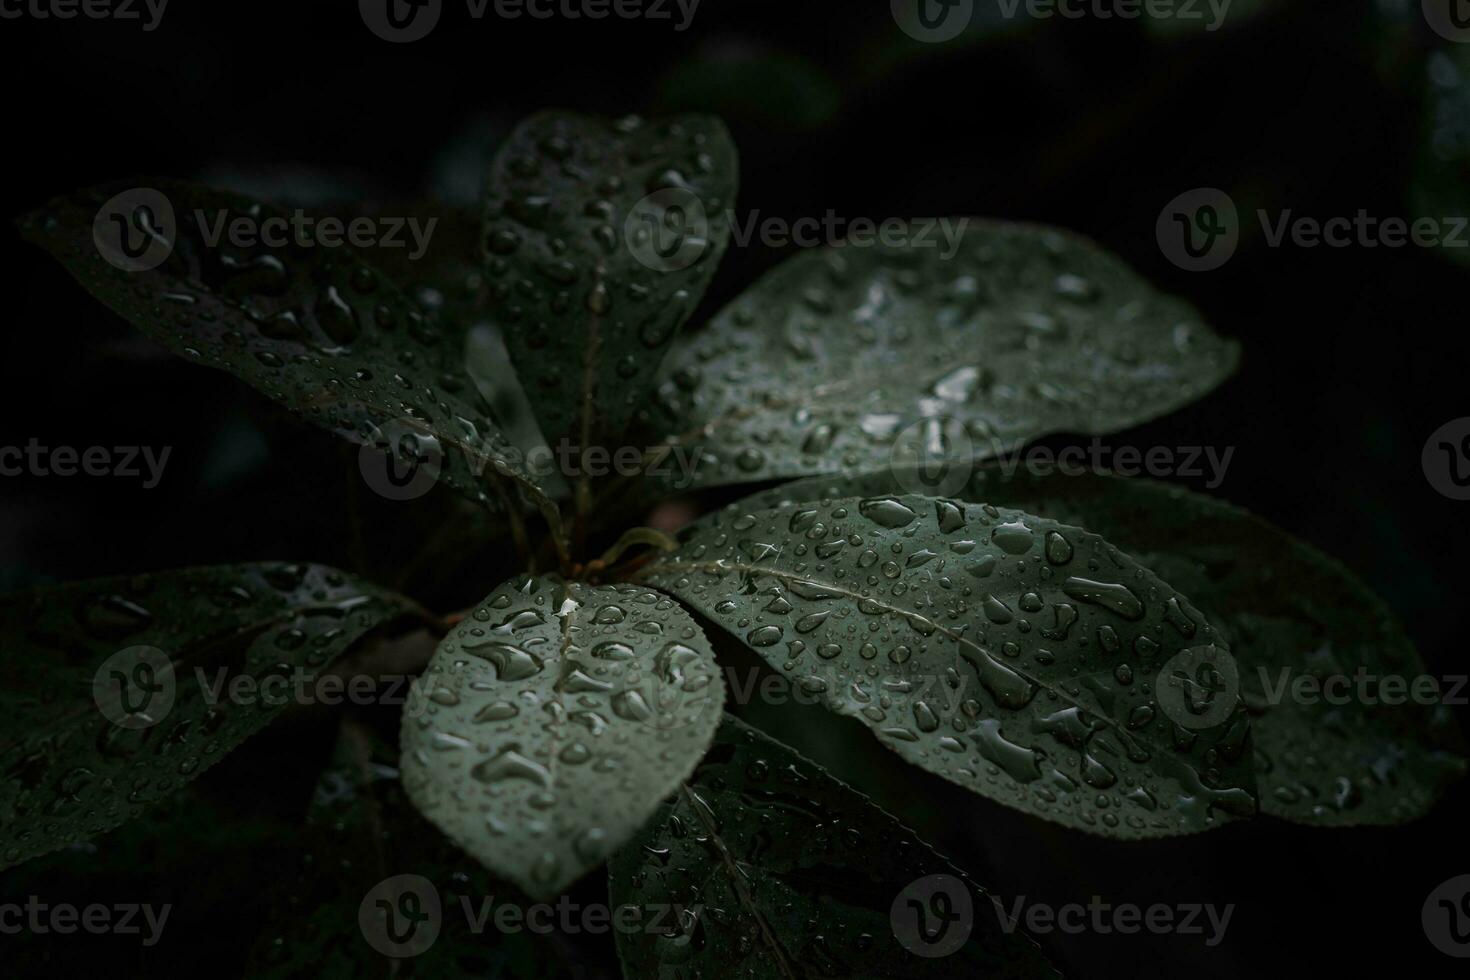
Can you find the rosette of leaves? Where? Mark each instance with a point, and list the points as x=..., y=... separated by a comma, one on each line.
x=1041, y=644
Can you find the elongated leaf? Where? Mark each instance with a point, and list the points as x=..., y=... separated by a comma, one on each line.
x=552, y=721
x=448, y=284
x=309, y=324
x=116, y=692
x=600, y=238
x=845, y=358
x=1012, y=655
x=363, y=835
x=782, y=871
x=1288, y=612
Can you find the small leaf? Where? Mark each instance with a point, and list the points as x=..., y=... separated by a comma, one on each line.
x=116, y=692
x=777, y=869
x=362, y=837
x=846, y=358
x=311, y=326
x=1023, y=659
x=600, y=238
x=553, y=720
x=1287, y=610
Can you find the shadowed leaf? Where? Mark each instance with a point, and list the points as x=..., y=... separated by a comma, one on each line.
x=116, y=692
x=1288, y=612
x=1012, y=655
x=779, y=870
x=848, y=358
x=311, y=325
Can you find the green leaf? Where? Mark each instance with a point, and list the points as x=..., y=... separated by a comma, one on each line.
x=448, y=284
x=843, y=359
x=1012, y=655
x=111, y=689
x=312, y=326
x=783, y=871
x=587, y=301
x=551, y=722
x=361, y=833
x=1282, y=605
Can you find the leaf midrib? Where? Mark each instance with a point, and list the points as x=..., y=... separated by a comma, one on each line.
x=959, y=638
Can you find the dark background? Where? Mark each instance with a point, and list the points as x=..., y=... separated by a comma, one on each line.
x=1351, y=357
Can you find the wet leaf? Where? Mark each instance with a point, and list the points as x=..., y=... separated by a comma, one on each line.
x=599, y=239
x=448, y=284
x=361, y=835
x=777, y=869
x=844, y=359
x=116, y=692
x=1282, y=606
x=1026, y=660
x=310, y=325
x=553, y=720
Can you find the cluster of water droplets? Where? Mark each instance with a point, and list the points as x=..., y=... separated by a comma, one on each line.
x=1011, y=654
x=564, y=284
x=70, y=771
x=313, y=327
x=855, y=358
x=553, y=715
